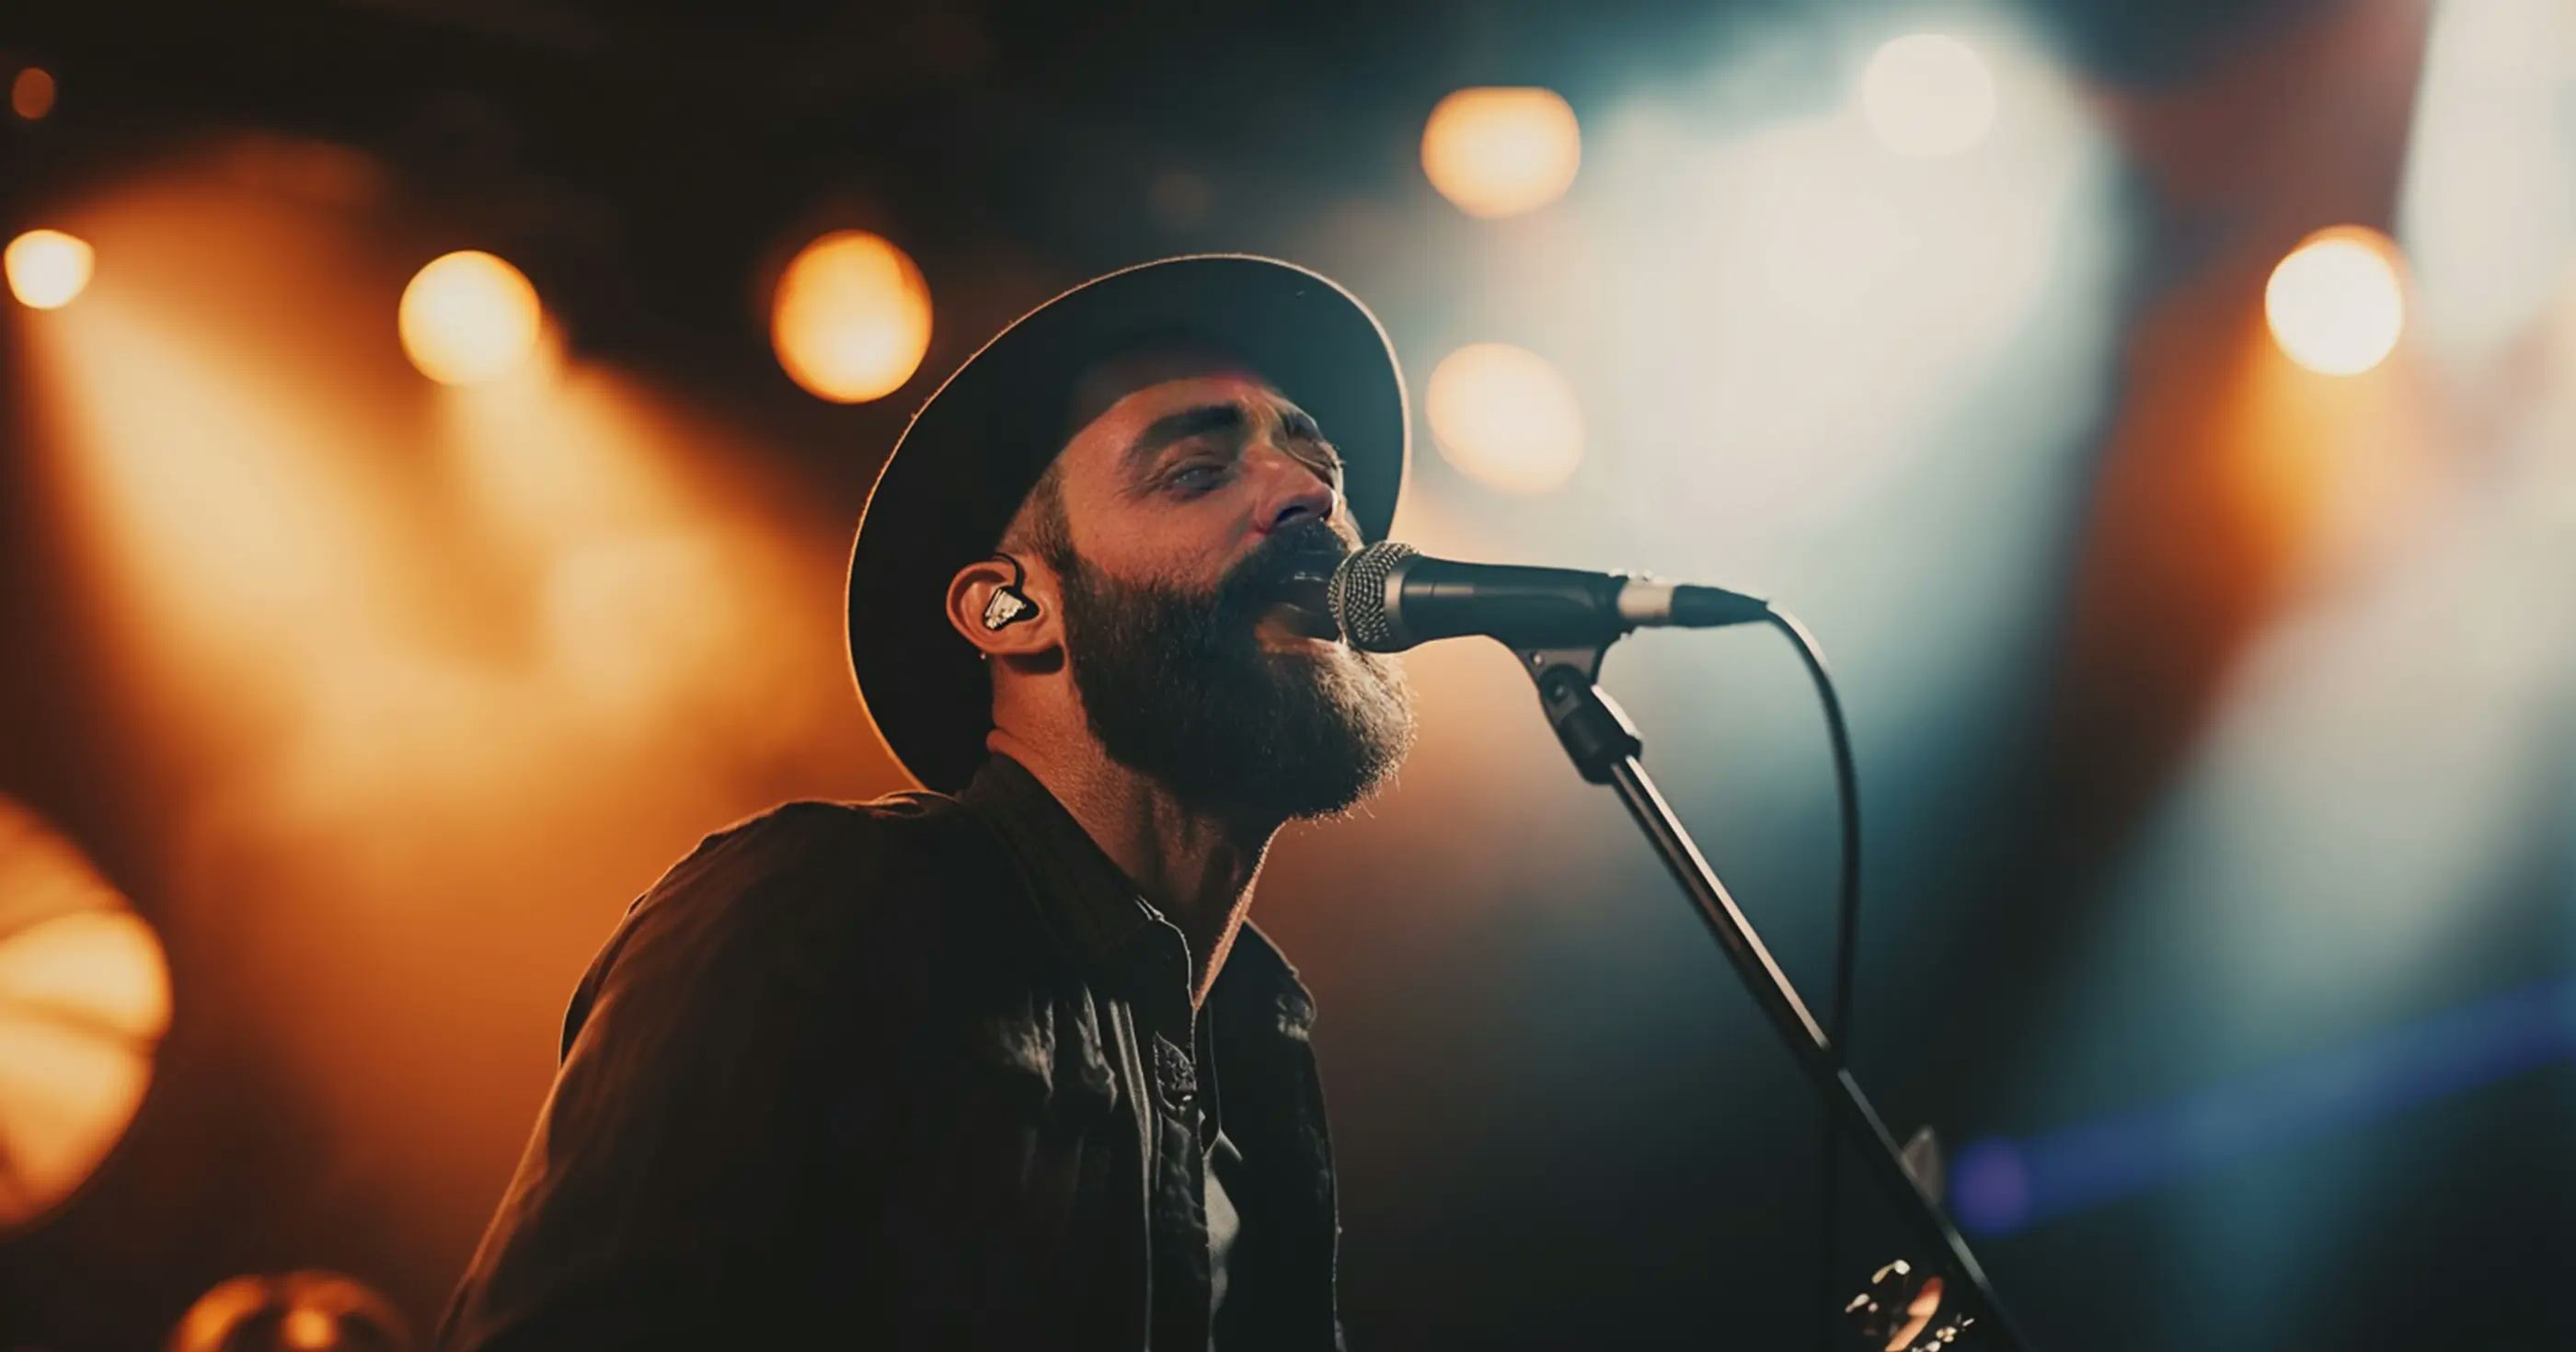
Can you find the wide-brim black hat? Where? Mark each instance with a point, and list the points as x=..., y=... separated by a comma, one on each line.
x=962, y=469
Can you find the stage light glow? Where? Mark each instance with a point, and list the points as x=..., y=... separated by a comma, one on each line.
x=86, y=997
x=2003, y=1185
x=851, y=320
x=1505, y=417
x=2481, y=206
x=353, y=621
x=308, y=1311
x=1928, y=96
x=2335, y=303
x=1501, y=152
x=307, y=1329
x=31, y=94
x=469, y=317
x=1795, y=307
x=47, y=268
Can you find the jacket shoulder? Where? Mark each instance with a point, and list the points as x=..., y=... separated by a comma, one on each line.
x=800, y=901
x=842, y=829
x=831, y=854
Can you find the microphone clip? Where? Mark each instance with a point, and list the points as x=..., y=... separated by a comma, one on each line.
x=1593, y=729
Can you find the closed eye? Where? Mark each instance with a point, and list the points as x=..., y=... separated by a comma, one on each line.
x=1197, y=476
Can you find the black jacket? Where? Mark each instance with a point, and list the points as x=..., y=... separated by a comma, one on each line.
x=917, y=1073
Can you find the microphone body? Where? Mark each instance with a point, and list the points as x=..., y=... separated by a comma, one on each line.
x=1389, y=597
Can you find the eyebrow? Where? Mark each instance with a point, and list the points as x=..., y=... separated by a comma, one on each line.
x=1297, y=424
x=1178, y=427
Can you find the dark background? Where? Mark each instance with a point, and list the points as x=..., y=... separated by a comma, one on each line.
x=2214, y=727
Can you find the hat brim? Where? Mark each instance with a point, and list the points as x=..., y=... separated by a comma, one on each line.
x=968, y=459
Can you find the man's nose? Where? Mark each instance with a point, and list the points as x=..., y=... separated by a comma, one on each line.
x=1292, y=491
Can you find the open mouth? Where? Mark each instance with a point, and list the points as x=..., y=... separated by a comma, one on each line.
x=1302, y=608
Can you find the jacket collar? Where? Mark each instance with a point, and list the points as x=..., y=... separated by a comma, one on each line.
x=1098, y=915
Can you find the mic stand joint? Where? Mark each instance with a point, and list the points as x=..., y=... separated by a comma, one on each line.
x=1596, y=732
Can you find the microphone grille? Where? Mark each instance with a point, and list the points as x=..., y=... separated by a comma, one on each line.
x=1357, y=596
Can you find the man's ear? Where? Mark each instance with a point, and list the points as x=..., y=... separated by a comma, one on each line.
x=1003, y=608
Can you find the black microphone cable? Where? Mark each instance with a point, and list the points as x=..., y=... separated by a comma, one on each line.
x=1838, y=1019
x=1359, y=600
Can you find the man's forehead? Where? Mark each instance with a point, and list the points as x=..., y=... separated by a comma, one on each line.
x=1129, y=370
x=1239, y=387
x=1109, y=434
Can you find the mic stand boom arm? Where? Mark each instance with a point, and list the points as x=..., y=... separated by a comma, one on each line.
x=1605, y=748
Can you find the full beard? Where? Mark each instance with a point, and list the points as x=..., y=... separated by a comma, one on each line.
x=1178, y=686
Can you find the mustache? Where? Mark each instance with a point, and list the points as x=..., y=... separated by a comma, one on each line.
x=1302, y=555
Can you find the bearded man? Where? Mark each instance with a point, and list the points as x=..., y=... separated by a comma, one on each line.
x=1001, y=1064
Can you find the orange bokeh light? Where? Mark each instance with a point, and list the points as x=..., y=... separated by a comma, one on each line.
x=308, y=1329
x=31, y=94
x=469, y=317
x=851, y=321
x=1501, y=152
x=310, y=1311
x=47, y=269
x=87, y=997
x=1505, y=417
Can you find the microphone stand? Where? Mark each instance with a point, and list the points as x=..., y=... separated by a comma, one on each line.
x=1605, y=748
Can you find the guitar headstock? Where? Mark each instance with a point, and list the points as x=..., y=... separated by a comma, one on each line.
x=1901, y=1312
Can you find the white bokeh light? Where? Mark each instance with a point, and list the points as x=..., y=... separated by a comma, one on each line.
x=2335, y=303
x=47, y=269
x=1928, y=95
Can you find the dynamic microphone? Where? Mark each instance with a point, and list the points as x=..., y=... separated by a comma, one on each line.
x=1389, y=597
